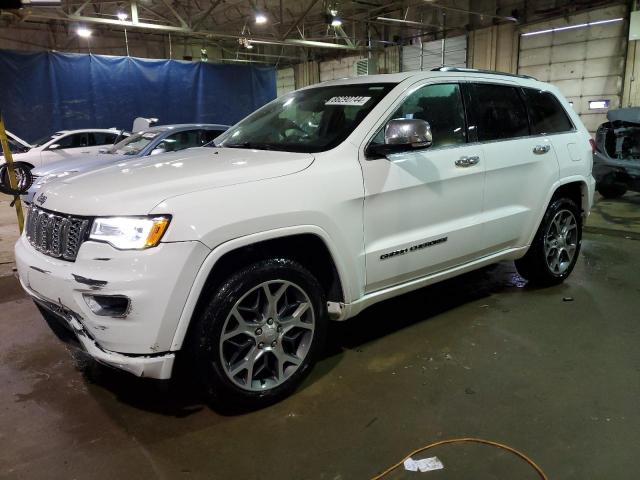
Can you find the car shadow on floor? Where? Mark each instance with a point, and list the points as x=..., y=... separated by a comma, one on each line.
x=180, y=397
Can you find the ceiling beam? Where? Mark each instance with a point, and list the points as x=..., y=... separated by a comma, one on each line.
x=189, y=32
x=175, y=13
x=81, y=7
x=206, y=13
x=300, y=18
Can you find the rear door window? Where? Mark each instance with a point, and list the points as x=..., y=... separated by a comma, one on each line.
x=546, y=115
x=101, y=138
x=209, y=135
x=498, y=112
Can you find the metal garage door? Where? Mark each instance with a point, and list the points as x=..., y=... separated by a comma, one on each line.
x=415, y=57
x=586, y=61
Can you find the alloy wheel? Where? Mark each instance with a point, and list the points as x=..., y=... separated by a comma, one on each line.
x=267, y=335
x=561, y=242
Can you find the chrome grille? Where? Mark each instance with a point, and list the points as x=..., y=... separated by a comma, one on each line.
x=55, y=234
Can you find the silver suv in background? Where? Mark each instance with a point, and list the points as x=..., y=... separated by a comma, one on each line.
x=155, y=140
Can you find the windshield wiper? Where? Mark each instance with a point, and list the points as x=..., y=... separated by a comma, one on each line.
x=256, y=145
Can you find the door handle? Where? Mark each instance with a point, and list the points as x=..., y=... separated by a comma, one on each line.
x=541, y=149
x=467, y=161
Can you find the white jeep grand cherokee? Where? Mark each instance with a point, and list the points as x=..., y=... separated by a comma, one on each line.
x=318, y=205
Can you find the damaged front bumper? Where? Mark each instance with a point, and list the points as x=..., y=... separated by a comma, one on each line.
x=69, y=328
x=135, y=336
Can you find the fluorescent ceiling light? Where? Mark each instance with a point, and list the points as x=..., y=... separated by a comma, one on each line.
x=261, y=18
x=571, y=27
x=336, y=22
x=122, y=16
x=597, y=104
x=84, y=32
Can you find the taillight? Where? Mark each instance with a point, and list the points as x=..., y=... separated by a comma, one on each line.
x=594, y=147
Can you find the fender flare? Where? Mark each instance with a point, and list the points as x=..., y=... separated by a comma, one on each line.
x=218, y=252
x=559, y=183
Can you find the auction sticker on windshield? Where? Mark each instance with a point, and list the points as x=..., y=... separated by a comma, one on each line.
x=353, y=101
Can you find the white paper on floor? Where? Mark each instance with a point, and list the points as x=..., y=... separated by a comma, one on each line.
x=423, y=465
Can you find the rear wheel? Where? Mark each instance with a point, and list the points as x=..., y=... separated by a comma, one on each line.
x=260, y=333
x=556, y=245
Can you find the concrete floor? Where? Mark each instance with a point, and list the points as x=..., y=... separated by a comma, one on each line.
x=553, y=372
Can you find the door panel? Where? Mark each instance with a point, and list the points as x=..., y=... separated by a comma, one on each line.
x=71, y=145
x=421, y=213
x=422, y=208
x=514, y=188
x=518, y=165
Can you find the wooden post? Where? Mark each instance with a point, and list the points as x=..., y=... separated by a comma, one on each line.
x=13, y=181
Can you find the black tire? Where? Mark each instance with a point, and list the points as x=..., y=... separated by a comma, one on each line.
x=612, y=190
x=206, y=351
x=534, y=266
x=23, y=176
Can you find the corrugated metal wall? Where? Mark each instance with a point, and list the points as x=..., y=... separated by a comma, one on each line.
x=285, y=81
x=389, y=60
x=429, y=55
x=584, y=63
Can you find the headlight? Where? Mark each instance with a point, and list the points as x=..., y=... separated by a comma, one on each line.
x=130, y=233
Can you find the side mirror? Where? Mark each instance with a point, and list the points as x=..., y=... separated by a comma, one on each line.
x=157, y=150
x=55, y=146
x=403, y=134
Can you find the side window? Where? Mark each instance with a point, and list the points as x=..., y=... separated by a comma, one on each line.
x=180, y=141
x=546, y=115
x=76, y=140
x=498, y=112
x=440, y=105
x=101, y=138
x=209, y=135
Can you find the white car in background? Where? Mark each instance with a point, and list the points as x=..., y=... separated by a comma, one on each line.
x=69, y=143
x=16, y=144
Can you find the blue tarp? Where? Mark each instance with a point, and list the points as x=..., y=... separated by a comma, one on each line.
x=42, y=92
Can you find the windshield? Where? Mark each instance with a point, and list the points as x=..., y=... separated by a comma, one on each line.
x=43, y=140
x=134, y=144
x=310, y=120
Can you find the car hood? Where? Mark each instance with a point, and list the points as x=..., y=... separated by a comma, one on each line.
x=134, y=187
x=78, y=164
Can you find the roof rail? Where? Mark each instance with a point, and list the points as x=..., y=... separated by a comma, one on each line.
x=444, y=68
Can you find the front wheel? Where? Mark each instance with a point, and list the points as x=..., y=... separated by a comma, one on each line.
x=556, y=245
x=260, y=333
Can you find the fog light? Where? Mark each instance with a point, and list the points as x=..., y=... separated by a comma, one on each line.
x=108, y=305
